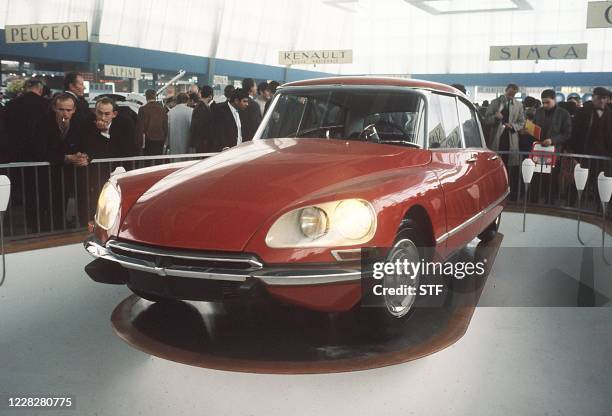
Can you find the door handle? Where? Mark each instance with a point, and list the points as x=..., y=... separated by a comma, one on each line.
x=473, y=159
x=495, y=157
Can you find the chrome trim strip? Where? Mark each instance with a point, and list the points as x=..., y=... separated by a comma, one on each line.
x=336, y=254
x=313, y=279
x=162, y=253
x=288, y=278
x=473, y=219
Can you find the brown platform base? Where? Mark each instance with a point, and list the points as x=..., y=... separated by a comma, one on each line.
x=279, y=339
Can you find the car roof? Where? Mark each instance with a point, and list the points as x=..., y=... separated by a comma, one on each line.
x=364, y=80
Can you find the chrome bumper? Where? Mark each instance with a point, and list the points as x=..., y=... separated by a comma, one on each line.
x=273, y=276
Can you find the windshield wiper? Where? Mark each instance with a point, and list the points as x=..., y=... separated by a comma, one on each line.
x=300, y=133
x=402, y=142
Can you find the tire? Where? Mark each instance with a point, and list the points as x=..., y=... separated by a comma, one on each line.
x=490, y=232
x=408, y=245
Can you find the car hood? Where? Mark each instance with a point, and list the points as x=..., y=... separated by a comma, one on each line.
x=219, y=203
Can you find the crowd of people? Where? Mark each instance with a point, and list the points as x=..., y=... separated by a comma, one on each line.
x=570, y=126
x=63, y=129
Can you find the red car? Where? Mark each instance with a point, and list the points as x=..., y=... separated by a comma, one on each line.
x=338, y=164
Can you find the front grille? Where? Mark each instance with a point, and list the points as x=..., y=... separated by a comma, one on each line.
x=185, y=259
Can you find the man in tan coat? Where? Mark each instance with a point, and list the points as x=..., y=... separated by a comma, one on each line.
x=504, y=118
x=152, y=126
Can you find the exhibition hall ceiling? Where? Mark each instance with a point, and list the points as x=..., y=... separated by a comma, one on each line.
x=385, y=36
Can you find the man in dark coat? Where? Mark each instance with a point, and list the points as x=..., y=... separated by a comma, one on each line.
x=228, y=122
x=556, y=125
x=202, y=128
x=59, y=140
x=60, y=137
x=152, y=125
x=22, y=115
x=252, y=115
x=555, y=122
x=592, y=132
x=114, y=136
x=75, y=86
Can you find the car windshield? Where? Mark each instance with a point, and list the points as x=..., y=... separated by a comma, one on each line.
x=380, y=116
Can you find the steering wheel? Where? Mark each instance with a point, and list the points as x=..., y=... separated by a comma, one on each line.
x=392, y=125
x=369, y=133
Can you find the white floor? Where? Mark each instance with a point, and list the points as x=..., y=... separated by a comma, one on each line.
x=56, y=337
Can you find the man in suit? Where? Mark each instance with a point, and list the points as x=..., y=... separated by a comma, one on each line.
x=152, y=126
x=22, y=117
x=229, y=129
x=592, y=132
x=59, y=140
x=202, y=129
x=60, y=137
x=75, y=86
x=114, y=136
x=252, y=115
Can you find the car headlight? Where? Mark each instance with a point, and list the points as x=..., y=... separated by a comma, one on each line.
x=332, y=224
x=109, y=204
x=313, y=222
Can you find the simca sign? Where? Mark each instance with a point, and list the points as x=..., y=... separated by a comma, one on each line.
x=121, y=71
x=538, y=52
x=315, y=57
x=52, y=32
x=599, y=14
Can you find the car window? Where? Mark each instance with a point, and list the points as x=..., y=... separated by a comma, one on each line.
x=443, y=123
x=469, y=125
x=389, y=116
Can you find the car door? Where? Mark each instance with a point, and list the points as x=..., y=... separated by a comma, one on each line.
x=458, y=170
x=491, y=168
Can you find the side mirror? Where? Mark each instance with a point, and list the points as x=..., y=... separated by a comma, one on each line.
x=5, y=192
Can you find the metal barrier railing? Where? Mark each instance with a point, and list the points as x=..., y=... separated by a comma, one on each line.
x=557, y=189
x=49, y=199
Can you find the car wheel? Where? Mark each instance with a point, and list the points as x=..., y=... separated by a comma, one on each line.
x=408, y=245
x=490, y=232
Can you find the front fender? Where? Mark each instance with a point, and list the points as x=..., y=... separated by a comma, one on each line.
x=132, y=185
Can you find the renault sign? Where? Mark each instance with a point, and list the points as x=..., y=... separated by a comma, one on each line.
x=344, y=56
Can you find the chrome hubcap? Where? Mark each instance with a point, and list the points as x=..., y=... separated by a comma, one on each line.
x=399, y=305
